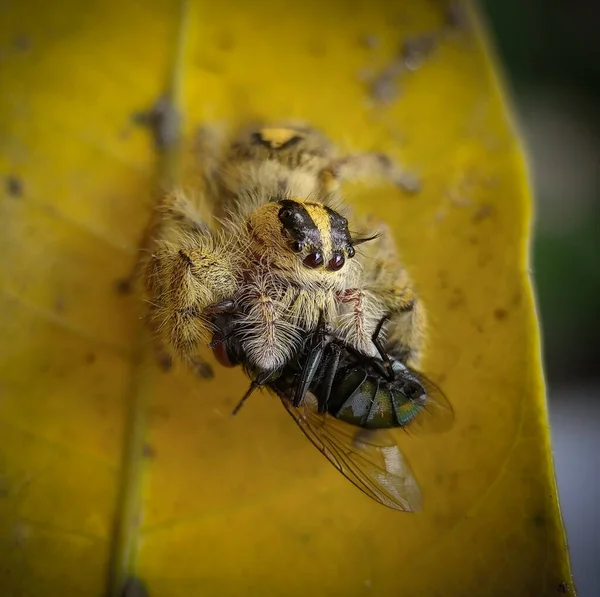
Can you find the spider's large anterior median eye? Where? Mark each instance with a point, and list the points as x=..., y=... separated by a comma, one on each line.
x=297, y=246
x=313, y=260
x=336, y=262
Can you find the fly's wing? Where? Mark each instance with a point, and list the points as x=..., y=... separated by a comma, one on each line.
x=370, y=459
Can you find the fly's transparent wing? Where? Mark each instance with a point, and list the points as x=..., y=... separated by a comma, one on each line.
x=370, y=459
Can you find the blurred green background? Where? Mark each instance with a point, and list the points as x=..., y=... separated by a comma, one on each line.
x=550, y=51
x=551, y=55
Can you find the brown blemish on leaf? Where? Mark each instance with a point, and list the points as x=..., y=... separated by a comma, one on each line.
x=159, y=413
x=123, y=286
x=483, y=212
x=22, y=43
x=59, y=304
x=456, y=16
x=473, y=240
x=14, y=186
x=370, y=41
x=89, y=358
x=163, y=120
x=500, y=314
x=539, y=520
x=148, y=452
x=225, y=41
x=458, y=299
x=415, y=50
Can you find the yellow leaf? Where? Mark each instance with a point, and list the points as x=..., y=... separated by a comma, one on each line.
x=110, y=469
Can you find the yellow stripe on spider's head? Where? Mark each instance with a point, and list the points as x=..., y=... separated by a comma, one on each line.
x=320, y=216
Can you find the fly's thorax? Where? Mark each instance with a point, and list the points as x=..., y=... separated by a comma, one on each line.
x=303, y=238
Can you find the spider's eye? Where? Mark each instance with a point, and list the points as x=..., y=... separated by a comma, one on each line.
x=350, y=251
x=336, y=262
x=297, y=246
x=313, y=260
x=285, y=214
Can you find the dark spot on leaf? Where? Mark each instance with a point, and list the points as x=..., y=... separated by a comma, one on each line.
x=500, y=314
x=148, y=452
x=483, y=212
x=225, y=41
x=458, y=299
x=123, y=286
x=539, y=520
x=563, y=588
x=90, y=358
x=165, y=362
x=473, y=430
x=370, y=41
x=22, y=43
x=473, y=240
x=203, y=370
x=14, y=187
x=455, y=16
x=304, y=538
x=59, y=304
x=159, y=413
x=416, y=50
x=163, y=120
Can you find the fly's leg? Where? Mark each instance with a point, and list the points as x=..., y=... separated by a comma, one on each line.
x=331, y=368
x=263, y=379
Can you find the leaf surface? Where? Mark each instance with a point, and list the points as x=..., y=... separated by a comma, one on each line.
x=110, y=469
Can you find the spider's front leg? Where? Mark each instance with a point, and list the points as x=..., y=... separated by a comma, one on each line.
x=188, y=270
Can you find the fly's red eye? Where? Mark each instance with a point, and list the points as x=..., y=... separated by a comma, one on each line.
x=297, y=246
x=336, y=262
x=313, y=260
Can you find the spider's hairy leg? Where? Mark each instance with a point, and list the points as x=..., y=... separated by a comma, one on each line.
x=182, y=282
x=384, y=289
x=269, y=337
x=189, y=269
x=377, y=167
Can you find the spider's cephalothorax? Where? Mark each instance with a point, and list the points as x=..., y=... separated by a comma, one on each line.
x=266, y=238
